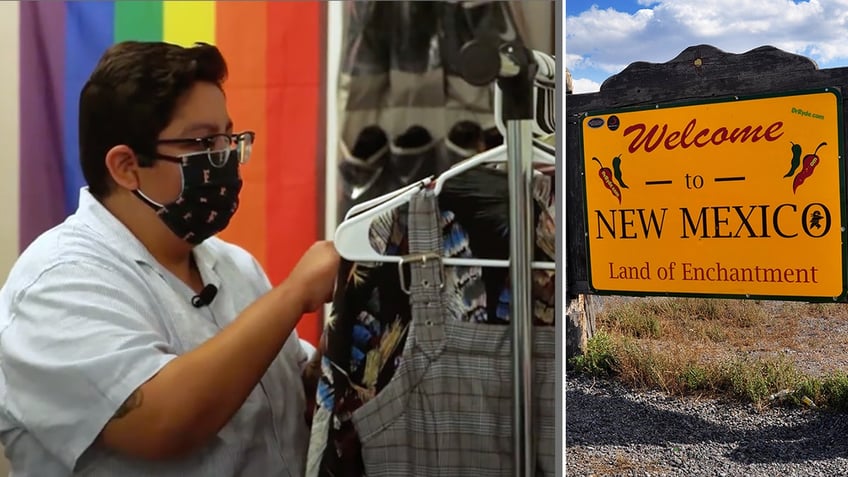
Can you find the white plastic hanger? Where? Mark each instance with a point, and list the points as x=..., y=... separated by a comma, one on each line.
x=363, y=206
x=352, y=235
x=493, y=155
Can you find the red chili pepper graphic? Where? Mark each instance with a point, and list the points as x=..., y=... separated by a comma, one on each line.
x=606, y=175
x=809, y=165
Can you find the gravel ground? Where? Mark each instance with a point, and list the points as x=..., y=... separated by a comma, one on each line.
x=613, y=431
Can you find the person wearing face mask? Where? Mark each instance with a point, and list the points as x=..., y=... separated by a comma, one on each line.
x=115, y=357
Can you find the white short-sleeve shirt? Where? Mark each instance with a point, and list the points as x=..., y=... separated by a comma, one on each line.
x=87, y=315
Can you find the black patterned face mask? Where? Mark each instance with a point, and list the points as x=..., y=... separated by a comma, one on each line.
x=209, y=197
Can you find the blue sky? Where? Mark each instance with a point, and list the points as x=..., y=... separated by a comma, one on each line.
x=603, y=37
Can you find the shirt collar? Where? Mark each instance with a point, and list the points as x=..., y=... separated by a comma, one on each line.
x=96, y=216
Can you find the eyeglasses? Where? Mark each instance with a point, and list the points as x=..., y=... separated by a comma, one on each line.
x=217, y=147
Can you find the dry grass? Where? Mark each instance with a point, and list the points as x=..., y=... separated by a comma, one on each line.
x=746, y=349
x=621, y=464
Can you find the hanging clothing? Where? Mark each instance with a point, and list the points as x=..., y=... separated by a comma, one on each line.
x=447, y=410
x=371, y=346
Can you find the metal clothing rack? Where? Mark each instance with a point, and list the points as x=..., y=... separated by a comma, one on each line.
x=514, y=68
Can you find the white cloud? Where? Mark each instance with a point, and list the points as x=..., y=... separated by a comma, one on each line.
x=609, y=40
x=583, y=85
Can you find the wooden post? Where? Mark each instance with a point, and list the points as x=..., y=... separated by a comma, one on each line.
x=580, y=324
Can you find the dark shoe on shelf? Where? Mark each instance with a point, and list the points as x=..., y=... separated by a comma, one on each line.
x=492, y=138
x=362, y=167
x=414, y=156
x=465, y=139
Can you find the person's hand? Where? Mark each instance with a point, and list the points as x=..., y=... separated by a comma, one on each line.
x=314, y=276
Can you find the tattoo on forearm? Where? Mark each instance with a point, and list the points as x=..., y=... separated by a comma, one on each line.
x=133, y=402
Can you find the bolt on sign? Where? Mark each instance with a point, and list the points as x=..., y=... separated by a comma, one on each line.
x=731, y=197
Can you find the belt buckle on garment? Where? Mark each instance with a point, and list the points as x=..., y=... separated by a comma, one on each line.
x=422, y=259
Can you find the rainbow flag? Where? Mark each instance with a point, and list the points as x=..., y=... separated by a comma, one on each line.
x=275, y=52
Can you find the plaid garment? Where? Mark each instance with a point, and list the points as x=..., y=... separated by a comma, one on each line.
x=364, y=346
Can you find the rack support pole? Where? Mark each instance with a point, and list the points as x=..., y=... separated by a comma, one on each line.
x=516, y=78
x=514, y=67
x=520, y=169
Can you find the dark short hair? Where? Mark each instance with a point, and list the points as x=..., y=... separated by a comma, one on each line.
x=131, y=96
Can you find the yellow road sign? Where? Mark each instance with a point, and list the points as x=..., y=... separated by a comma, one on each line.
x=734, y=197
